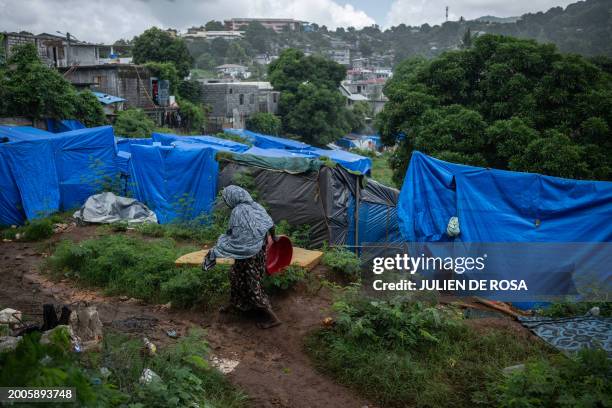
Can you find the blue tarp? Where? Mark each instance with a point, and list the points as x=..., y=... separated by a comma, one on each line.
x=501, y=206
x=177, y=182
x=258, y=151
x=107, y=99
x=277, y=145
x=21, y=133
x=42, y=172
x=65, y=125
x=167, y=139
x=351, y=161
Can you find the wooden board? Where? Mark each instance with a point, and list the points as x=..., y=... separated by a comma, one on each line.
x=301, y=257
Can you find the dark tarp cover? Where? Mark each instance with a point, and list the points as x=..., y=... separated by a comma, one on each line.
x=42, y=172
x=501, y=206
x=177, y=182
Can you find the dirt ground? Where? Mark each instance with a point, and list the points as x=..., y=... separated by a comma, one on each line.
x=273, y=368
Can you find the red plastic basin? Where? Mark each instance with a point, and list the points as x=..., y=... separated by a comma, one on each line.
x=278, y=254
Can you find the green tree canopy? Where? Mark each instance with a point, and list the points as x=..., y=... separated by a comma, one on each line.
x=157, y=45
x=214, y=25
x=506, y=103
x=311, y=107
x=133, y=123
x=29, y=88
x=264, y=122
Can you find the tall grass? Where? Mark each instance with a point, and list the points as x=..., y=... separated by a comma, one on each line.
x=410, y=354
x=139, y=268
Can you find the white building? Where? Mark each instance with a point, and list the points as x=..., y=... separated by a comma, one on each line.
x=233, y=71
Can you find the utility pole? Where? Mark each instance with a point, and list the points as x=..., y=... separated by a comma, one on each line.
x=446, y=13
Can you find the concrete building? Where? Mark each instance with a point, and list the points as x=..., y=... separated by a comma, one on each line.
x=132, y=83
x=55, y=51
x=342, y=57
x=201, y=33
x=276, y=24
x=231, y=103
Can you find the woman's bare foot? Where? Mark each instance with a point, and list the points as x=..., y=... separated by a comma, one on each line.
x=229, y=308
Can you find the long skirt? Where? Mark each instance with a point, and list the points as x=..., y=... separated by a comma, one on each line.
x=246, y=277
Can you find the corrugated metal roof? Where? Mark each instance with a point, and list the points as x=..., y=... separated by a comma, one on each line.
x=107, y=99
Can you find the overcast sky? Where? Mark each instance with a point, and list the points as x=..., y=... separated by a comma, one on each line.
x=106, y=21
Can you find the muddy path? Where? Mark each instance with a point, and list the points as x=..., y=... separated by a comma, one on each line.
x=273, y=368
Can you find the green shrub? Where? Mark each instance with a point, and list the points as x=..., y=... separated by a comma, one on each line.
x=264, y=122
x=133, y=123
x=580, y=381
x=187, y=380
x=193, y=286
x=565, y=309
x=401, y=353
x=33, y=364
x=38, y=230
x=134, y=267
x=284, y=280
x=342, y=261
x=299, y=234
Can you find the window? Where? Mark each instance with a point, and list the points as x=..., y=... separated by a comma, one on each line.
x=241, y=97
x=251, y=99
x=231, y=91
x=274, y=97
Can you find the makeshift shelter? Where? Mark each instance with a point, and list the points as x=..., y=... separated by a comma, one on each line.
x=43, y=172
x=554, y=233
x=501, y=206
x=330, y=199
x=350, y=161
x=176, y=182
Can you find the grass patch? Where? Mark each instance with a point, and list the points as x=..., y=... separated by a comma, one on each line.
x=287, y=279
x=342, y=261
x=35, y=230
x=381, y=170
x=582, y=380
x=566, y=309
x=142, y=269
x=402, y=353
x=110, y=378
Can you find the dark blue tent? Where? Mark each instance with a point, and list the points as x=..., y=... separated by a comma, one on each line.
x=177, y=182
x=42, y=172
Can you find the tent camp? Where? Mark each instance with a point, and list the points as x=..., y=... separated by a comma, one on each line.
x=43, y=172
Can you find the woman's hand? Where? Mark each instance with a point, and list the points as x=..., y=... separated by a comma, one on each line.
x=210, y=260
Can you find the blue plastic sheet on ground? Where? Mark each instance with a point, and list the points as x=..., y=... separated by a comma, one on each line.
x=571, y=334
x=177, y=182
x=167, y=139
x=501, y=206
x=42, y=172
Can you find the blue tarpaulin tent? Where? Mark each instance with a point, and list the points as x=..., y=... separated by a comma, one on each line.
x=177, y=182
x=351, y=161
x=501, y=206
x=167, y=139
x=65, y=125
x=550, y=232
x=42, y=172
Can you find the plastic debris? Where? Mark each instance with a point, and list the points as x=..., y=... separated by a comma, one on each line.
x=10, y=316
x=225, y=365
x=148, y=376
x=172, y=334
x=9, y=343
x=149, y=347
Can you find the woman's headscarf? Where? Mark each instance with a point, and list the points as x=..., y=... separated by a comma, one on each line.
x=248, y=225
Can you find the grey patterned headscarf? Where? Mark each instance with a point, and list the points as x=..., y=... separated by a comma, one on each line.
x=248, y=225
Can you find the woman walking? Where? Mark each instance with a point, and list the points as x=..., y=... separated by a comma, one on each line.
x=245, y=242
